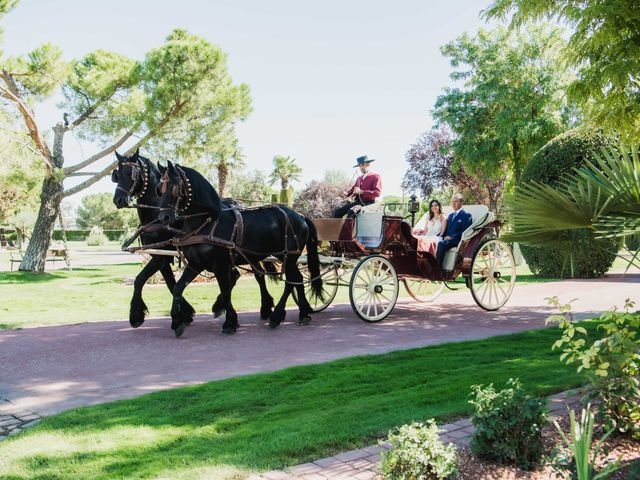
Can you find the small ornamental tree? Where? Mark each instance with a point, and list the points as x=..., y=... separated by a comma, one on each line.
x=433, y=167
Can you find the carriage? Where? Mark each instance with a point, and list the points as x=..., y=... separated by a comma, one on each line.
x=373, y=253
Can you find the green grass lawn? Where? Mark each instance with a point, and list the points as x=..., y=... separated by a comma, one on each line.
x=99, y=293
x=229, y=428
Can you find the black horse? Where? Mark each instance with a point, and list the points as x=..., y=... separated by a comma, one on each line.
x=138, y=177
x=219, y=238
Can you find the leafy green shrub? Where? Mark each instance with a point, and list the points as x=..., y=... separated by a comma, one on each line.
x=611, y=363
x=632, y=242
x=559, y=157
x=508, y=425
x=96, y=237
x=417, y=452
x=592, y=258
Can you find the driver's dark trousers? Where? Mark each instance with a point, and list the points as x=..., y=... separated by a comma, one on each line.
x=342, y=210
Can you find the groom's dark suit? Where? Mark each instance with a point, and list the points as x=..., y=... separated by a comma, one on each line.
x=457, y=223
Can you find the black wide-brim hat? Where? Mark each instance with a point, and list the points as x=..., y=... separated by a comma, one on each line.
x=363, y=159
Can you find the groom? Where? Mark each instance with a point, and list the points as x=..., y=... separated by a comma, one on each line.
x=457, y=223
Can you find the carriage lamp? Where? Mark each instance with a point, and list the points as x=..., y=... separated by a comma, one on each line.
x=414, y=207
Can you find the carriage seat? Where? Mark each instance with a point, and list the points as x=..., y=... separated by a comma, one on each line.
x=369, y=228
x=480, y=216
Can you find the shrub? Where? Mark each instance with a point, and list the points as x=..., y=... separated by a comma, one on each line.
x=508, y=425
x=417, y=452
x=319, y=199
x=559, y=157
x=611, y=363
x=632, y=242
x=96, y=237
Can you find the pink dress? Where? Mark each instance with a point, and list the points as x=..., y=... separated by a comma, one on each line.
x=428, y=241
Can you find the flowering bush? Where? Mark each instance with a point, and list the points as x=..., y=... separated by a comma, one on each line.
x=97, y=237
x=417, y=452
x=319, y=199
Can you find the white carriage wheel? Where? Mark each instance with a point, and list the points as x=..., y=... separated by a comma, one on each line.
x=423, y=290
x=373, y=290
x=329, y=290
x=493, y=275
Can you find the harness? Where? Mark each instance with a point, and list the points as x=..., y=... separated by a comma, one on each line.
x=138, y=172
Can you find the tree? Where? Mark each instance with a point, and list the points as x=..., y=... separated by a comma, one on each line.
x=433, y=167
x=604, y=46
x=337, y=177
x=512, y=101
x=20, y=171
x=227, y=157
x=250, y=188
x=179, y=99
x=285, y=170
x=97, y=209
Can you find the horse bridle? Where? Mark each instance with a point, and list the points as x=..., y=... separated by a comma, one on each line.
x=139, y=176
x=180, y=191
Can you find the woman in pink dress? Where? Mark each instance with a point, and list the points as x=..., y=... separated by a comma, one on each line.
x=430, y=228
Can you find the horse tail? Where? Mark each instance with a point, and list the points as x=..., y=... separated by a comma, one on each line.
x=272, y=271
x=313, y=260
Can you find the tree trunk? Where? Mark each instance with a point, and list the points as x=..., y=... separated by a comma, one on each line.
x=50, y=198
x=517, y=167
x=222, y=178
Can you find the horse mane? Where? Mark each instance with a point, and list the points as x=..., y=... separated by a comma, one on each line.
x=204, y=195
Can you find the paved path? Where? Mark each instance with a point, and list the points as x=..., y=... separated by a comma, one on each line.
x=50, y=369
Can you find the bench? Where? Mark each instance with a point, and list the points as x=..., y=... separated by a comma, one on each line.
x=54, y=254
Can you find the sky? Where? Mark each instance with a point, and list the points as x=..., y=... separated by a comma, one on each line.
x=330, y=80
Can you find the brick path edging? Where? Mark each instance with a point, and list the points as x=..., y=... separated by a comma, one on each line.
x=364, y=463
x=13, y=419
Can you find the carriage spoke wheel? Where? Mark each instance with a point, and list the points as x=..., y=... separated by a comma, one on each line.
x=329, y=290
x=423, y=290
x=493, y=275
x=373, y=290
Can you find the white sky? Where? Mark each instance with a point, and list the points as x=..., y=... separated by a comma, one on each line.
x=330, y=80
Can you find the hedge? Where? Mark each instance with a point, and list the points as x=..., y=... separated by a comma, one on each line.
x=559, y=157
x=81, y=235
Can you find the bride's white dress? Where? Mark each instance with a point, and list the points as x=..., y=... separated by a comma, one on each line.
x=428, y=241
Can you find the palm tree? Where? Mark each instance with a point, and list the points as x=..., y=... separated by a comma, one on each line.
x=229, y=156
x=285, y=170
x=602, y=198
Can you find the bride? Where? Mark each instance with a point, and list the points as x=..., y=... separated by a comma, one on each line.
x=430, y=232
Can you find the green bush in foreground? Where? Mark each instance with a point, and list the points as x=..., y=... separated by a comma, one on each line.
x=418, y=453
x=508, y=425
x=611, y=363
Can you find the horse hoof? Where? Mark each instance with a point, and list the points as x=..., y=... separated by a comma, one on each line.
x=304, y=320
x=228, y=330
x=265, y=314
x=180, y=330
x=135, y=323
x=219, y=312
x=273, y=325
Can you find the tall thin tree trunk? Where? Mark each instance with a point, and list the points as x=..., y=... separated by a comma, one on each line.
x=51, y=196
x=50, y=199
x=517, y=167
x=223, y=172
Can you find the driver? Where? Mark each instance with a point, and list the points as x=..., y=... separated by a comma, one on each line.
x=367, y=188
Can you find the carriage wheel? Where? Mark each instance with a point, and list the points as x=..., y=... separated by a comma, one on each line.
x=373, y=290
x=493, y=275
x=329, y=290
x=423, y=290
